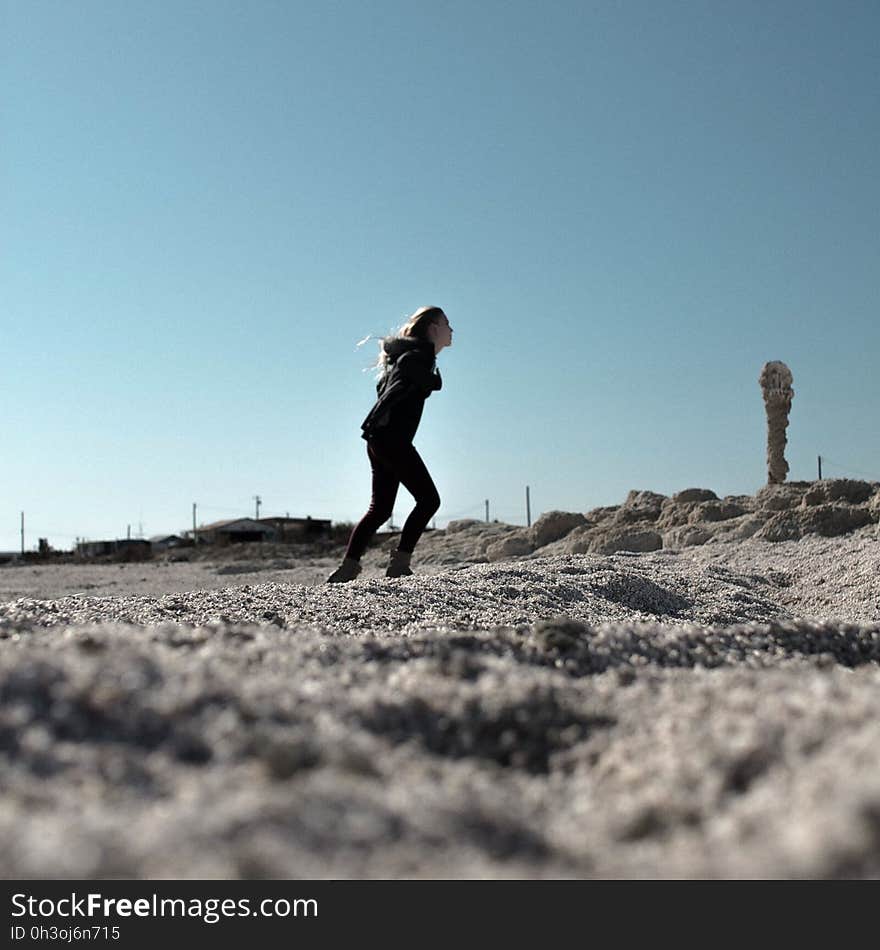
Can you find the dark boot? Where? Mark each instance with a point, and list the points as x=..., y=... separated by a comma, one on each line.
x=348, y=570
x=398, y=564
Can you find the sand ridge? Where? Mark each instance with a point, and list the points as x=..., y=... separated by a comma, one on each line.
x=706, y=712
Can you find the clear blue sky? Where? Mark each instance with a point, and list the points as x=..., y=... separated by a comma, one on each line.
x=625, y=209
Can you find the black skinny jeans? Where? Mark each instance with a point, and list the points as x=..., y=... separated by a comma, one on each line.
x=395, y=462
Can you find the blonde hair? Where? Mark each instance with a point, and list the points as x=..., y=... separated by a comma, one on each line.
x=417, y=325
x=415, y=328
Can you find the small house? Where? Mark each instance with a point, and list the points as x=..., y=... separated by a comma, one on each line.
x=297, y=529
x=235, y=531
x=162, y=542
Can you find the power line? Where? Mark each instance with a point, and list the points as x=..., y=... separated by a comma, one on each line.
x=47, y=531
x=848, y=471
x=478, y=506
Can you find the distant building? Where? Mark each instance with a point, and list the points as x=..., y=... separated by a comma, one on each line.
x=295, y=529
x=131, y=548
x=266, y=529
x=162, y=542
x=235, y=531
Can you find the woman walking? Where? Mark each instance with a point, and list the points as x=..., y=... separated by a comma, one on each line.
x=409, y=376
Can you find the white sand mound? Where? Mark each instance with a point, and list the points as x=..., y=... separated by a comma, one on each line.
x=708, y=713
x=591, y=588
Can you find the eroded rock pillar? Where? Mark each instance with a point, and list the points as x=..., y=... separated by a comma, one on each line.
x=776, y=380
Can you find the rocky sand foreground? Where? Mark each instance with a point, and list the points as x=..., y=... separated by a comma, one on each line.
x=712, y=711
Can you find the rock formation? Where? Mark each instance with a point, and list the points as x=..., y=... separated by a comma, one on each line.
x=775, y=380
x=648, y=521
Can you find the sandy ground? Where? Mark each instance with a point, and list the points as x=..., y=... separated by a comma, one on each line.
x=713, y=712
x=154, y=578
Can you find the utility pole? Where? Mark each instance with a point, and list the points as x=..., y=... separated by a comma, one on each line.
x=195, y=535
x=487, y=510
x=528, y=509
x=820, y=468
x=259, y=501
x=128, y=536
x=22, y=532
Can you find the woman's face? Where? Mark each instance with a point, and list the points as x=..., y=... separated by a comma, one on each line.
x=440, y=333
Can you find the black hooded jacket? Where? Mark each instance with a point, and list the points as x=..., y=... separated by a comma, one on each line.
x=410, y=377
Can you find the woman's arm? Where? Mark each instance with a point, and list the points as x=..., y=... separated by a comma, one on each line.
x=413, y=369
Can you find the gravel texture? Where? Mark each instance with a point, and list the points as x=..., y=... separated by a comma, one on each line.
x=708, y=712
